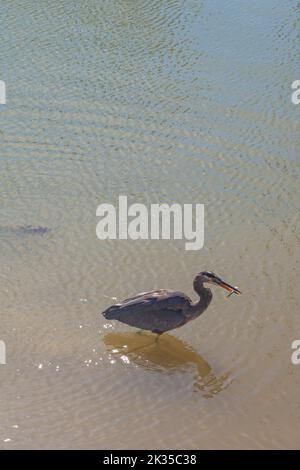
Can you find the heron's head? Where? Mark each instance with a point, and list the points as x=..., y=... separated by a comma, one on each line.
x=211, y=278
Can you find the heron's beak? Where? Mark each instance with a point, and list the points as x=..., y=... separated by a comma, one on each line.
x=229, y=288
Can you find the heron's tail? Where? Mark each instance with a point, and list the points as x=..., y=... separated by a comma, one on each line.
x=111, y=313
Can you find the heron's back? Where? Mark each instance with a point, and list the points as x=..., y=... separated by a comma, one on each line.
x=159, y=310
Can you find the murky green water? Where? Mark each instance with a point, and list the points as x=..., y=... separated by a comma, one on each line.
x=163, y=101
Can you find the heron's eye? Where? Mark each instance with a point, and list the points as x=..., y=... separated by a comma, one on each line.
x=209, y=274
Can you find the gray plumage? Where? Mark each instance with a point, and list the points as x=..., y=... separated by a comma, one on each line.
x=163, y=310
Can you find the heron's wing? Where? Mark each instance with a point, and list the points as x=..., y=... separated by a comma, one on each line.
x=159, y=310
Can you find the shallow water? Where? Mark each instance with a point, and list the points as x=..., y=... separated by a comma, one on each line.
x=164, y=101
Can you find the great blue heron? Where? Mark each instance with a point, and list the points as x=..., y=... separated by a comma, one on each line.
x=163, y=310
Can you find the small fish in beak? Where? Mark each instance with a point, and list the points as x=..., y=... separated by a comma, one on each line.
x=230, y=289
x=233, y=292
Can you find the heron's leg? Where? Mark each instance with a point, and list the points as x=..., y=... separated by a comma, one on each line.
x=158, y=334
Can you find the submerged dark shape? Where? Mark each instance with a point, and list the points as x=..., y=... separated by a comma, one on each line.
x=32, y=230
x=163, y=310
x=23, y=230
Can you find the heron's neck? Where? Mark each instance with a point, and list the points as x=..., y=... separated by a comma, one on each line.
x=204, y=301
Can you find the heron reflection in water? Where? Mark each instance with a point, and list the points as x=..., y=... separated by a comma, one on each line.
x=163, y=310
x=171, y=355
